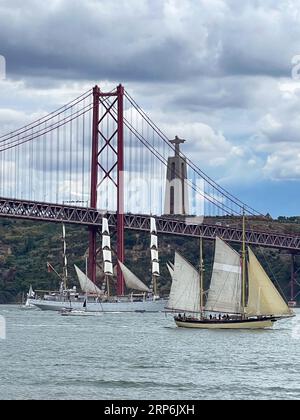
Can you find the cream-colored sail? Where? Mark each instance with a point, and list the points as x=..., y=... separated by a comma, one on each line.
x=86, y=285
x=185, y=290
x=132, y=281
x=226, y=283
x=264, y=298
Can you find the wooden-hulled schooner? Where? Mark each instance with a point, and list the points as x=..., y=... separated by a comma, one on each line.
x=241, y=296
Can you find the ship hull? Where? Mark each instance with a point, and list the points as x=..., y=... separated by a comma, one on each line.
x=144, y=306
x=248, y=324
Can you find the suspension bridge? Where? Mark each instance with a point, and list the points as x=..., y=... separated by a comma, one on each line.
x=102, y=154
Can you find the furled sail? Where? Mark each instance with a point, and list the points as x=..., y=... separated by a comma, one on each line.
x=108, y=268
x=185, y=290
x=264, y=298
x=105, y=227
x=155, y=268
x=154, y=248
x=106, y=242
x=106, y=248
x=154, y=242
x=154, y=255
x=153, y=228
x=226, y=283
x=107, y=255
x=132, y=281
x=86, y=285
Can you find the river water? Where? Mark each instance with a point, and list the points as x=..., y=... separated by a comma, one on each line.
x=143, y=356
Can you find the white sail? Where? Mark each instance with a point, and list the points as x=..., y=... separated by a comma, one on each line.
x=154, y=242
x=105, y=227
x=107, y=256
x=185, y=290
x=155, y=268
x=106, y=242
x=108, y=268
x=264, y=298
x=226, y=283
x=132, y=281
x=86, y=285
x=153, y=228
x=171, y=269
x=31, y=293
x=154, y=255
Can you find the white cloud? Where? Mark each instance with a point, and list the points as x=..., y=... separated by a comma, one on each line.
x=283, y=164
x=216, y=72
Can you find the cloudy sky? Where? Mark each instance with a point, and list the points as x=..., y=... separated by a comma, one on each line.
x=222, y=73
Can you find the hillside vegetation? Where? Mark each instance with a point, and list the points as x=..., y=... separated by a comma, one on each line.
x=26, y=247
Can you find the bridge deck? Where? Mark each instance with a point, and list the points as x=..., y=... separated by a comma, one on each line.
x=56, y=213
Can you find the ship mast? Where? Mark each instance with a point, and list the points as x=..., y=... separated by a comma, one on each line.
x=65, y=261
x=154, y=256
x=107, y=285
x=201, y=278
x=244, y=265
x=107, y=254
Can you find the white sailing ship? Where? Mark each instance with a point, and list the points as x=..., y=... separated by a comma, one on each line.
x=140, y=299
x=57, y=300
x=225, y=305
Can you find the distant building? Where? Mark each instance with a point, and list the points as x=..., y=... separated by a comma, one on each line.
x=176, y=198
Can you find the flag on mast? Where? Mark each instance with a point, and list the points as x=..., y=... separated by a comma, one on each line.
x=50, y=268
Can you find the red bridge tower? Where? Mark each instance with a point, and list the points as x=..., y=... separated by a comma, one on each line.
x=108, y=111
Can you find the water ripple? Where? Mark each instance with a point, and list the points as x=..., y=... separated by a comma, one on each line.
x=128, y=356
